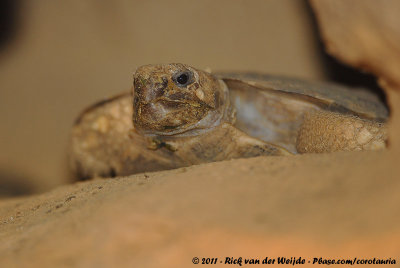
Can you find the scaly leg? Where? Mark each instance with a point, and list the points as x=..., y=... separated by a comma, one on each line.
x=323, y=132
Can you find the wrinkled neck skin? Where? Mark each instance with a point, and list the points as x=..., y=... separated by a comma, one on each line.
x=164, y=107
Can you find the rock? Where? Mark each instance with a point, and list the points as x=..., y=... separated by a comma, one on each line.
x=341, y=204
x=366, y=35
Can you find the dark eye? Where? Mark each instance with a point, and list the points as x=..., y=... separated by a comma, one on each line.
x=183, y=79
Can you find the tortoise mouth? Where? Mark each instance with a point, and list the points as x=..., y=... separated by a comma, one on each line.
x=166, y=117
x=177, y=104
x=170, y=102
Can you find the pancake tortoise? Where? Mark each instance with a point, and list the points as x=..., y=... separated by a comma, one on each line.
x=178, y=116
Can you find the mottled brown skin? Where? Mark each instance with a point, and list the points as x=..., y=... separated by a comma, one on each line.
x=323, y=132
x=178, y=116
x=163, y=106
x=169, y=125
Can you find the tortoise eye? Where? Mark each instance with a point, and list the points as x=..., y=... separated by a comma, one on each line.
x=183, y=79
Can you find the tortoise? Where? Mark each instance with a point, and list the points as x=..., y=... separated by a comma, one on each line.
x=176, y=116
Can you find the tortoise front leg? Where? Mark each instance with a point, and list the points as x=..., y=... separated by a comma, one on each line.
x=222, y=143
x=323, y=132
x=247, y=146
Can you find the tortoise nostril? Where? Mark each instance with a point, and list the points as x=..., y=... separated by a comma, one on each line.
x=164, y=83
x=159, y=87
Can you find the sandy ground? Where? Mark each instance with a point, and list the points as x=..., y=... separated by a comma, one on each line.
x=341, y=205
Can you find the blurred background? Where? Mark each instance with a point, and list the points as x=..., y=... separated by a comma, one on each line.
x=57, y=57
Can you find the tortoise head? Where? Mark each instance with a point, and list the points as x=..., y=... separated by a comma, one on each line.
x=176, y=99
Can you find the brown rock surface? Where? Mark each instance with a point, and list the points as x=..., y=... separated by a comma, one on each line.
x=309, y=206
x=366, y=35
x=340, y=205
